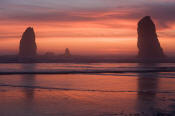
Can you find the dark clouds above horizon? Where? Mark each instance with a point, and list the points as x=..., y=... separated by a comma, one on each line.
x=83, y=10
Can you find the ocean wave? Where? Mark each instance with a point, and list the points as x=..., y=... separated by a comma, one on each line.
x=157, y=69
x=86, y=90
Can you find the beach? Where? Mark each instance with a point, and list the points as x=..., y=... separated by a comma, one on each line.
x=97, y=94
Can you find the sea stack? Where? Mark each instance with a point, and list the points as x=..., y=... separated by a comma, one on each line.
x=28, y=47
x=67, y=53
x=148, y=43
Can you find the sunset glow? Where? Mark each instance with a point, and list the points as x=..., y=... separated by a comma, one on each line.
x=95, y=27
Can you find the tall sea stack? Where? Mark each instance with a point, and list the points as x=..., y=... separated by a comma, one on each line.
x=148, y=43
x=28, y=47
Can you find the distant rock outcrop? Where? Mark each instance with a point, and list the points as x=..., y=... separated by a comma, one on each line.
x=28, y=47
x=67, y=53
x=148, y=43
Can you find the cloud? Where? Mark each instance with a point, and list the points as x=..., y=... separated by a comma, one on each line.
x=162, y=12
x=117, y=17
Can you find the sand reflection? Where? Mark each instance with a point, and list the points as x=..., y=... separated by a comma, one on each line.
x=28, y=80
x=148, y=85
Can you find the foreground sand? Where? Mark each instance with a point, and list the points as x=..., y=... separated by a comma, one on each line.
x=150, y=94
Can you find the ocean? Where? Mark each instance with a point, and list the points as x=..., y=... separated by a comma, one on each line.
x=92, y=89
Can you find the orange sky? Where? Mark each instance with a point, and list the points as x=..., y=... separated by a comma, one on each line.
x=111, y=30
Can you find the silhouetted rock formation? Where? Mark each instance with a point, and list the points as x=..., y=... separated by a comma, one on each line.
x=148, y=43
x=67, y=53
x=28, y=48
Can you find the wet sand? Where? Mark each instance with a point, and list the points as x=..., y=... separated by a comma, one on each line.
x=144, y=94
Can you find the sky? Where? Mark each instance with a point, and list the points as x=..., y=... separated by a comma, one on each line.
x=86, y=27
